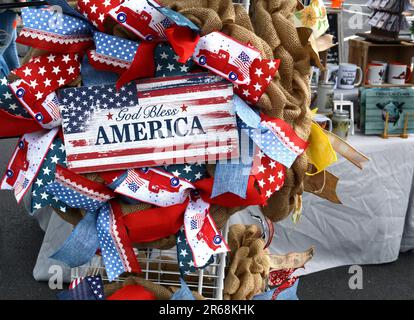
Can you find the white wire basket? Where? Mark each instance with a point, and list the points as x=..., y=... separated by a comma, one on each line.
x=161, y=267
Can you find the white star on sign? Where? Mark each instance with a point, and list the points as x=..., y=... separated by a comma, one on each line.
x=187, y=169
x=271, y=179
x=37, y=206
x=183, y=253
x=261, y=169
x=44, y=195
x=164, y=55
x=184, y=68
x=171, y=67
x=46, y=171
x=47, y=82
x=246, y=93
x=71, y=70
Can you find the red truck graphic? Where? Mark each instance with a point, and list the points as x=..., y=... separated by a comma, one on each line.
x=139, y=21
x=37, y=108
x=209, y=235
x=159, y=182
x=19, y=163
x=220, y=62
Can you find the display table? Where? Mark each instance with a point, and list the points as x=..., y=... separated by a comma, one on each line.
x=376, y=220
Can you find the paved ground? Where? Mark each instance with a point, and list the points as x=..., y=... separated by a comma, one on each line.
x=21, y=237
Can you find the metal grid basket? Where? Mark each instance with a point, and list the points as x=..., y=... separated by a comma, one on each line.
x=158, y=267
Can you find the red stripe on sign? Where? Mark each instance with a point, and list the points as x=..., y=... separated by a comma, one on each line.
x=79, y=143
x=152, y=163
x=209, y=101
x=149, y=150
x=181, y=90
x=218, y=115
x=223, y=127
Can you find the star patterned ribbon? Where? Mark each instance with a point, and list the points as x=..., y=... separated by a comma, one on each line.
x=55, y=156
x=118, y=254
x=189, y=172
x=87, y=288
x=77, y=191
x=270, y=175
x=262, y=73
x=96, y=11
x=56, y=32
x=27, y=158
x=112, y=53
x=39, y=80
x=184, y=255
x=8, y=101
x=166, y=62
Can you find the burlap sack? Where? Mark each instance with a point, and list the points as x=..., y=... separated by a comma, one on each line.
x=249, y=263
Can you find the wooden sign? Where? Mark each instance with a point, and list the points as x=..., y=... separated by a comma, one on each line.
x=387, y=108
x=185, y=119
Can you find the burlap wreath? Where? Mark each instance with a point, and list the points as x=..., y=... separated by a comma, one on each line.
x=271, y=30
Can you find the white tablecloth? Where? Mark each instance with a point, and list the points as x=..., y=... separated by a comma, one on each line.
x=376, y=219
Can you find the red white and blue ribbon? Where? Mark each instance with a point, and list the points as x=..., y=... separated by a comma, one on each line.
x=226, y=57
x=39, y=80
x=102, y=226
x=164, y=190
x=148, y=19
x=112, y=53
x=55, y=32
x=276, y=138
x=25, y=163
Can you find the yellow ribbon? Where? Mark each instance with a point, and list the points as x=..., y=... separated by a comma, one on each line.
x=320, y=151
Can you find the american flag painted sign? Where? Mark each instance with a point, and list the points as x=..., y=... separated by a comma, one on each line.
x=183, y=119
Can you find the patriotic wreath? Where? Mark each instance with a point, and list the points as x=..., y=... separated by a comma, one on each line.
x=110, y=88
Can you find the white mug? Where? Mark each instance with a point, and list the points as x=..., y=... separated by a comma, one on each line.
x=375, y=74
x=347, y=75
x=385, y=64
x=399, y=73
x=331, y=73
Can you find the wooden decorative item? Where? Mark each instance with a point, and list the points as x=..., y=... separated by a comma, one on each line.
x=403, y=135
